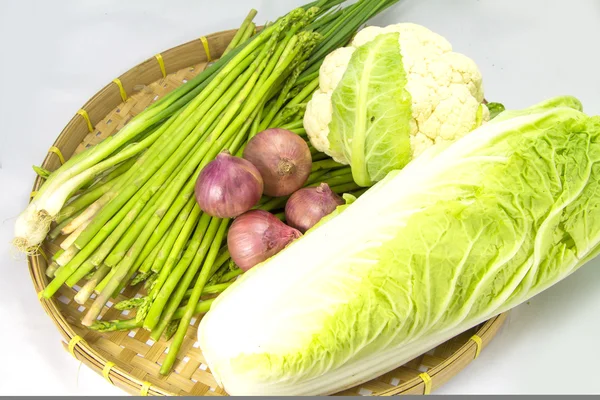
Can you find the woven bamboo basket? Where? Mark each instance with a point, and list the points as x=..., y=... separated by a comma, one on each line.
x=131, y=360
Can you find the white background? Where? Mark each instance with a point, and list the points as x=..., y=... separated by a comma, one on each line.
x=54, y=55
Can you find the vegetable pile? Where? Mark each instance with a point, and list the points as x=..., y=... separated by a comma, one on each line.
x=154, y=202
x=350, y=197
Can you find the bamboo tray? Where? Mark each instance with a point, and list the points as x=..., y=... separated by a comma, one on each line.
x=131, y=360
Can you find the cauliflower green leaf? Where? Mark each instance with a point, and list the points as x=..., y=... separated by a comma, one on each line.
x=372, y=110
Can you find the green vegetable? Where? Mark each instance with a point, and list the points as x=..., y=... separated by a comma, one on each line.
x=128, y=203
x=495, y=109
x=461, y=234
x=372, y=110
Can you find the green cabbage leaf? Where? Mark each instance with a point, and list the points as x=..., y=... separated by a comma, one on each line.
x=371, y=111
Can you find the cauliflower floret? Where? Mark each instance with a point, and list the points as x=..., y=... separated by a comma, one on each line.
x=333, y=68
x=317, y=124
x=445, y=87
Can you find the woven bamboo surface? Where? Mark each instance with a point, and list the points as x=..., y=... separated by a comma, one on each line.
x=131, y=360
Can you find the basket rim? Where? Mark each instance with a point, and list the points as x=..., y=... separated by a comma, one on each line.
x=85, y=353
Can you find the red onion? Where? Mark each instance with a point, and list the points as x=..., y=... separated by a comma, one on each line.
x=256, y=236
x=283, y=159
x=228, y=186
x=307, y=206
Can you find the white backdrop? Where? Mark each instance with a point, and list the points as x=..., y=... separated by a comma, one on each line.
x=54, y=55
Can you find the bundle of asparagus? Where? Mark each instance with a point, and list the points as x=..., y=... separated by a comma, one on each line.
x=127, y=205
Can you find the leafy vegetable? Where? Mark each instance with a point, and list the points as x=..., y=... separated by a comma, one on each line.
x=372, y=110
x=495, y=109
x=459, y=235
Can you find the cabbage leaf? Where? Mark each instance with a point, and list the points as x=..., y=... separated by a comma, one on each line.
x=370, y=122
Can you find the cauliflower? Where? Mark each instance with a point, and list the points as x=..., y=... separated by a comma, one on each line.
x=445, y=90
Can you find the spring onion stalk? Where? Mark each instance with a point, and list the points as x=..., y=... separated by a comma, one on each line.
x=345, y=187
x=318, y=178
x=325, y=165
x=292, y=125
x=34, y=223
x=299, y=132
x=336, y=181
x=159, y=168
x=319, y=156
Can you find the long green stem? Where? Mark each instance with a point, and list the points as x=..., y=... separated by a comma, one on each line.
x=129, y=324
x=166, y=158
x=95, y=192
x=213, y=237
x=317, y=178
x=148, y=259
x=213, y=289
x=248, y=32
x=86, y=291
x=176, y=252
x=56, y=231
x=231, y=274
x=149, y=231
x=237, y=38
x=123, y=237
x=193, y=252
x=194, y=299
x=201, y=308
x=325, y=164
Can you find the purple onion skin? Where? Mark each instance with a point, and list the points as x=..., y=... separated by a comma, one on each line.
x=256, y=236
x=228, y=186
x=282, y=158
x=309, y=205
